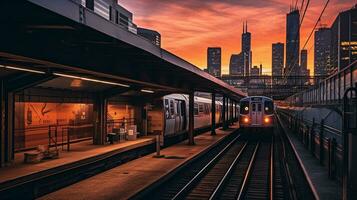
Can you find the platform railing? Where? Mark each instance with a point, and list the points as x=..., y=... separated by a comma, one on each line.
x=329, y=91
x=323, y=142
x=52, y=135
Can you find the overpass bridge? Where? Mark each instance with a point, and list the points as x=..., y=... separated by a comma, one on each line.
x=276, y=87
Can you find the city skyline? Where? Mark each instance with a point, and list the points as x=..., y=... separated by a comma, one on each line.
x=186, y=32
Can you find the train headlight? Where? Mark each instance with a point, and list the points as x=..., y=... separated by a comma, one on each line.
x=246, y=120
x=267, y=120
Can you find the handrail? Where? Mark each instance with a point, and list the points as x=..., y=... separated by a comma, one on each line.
x=297, y=156
x=326, y=127
x=320, y=93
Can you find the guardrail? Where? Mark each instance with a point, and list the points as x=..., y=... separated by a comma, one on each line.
x=329, y=91
x=322, y=141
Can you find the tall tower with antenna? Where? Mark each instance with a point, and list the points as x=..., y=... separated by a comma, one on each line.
x=246, y=49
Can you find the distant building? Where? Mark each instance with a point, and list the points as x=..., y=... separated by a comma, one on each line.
x=255, y=71
x=151, y=35
x=292, y=43
x=303, y=61
x=344, y=39
x=214, y=55
x=322, y=52
x=236, y=65
x=260, y=70
x=246, y=49
x=277, y=59
x=112, y=11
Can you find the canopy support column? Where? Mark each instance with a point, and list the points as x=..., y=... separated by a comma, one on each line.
x=191, y=119
x=213, y=115
x=100, y=116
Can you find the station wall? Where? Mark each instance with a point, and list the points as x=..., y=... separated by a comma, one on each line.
x=33, y=121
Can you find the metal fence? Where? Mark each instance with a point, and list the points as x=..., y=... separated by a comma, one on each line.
x=327, y=92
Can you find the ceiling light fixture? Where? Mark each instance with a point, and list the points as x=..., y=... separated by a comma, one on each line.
x=90, y=79
x=147, y=91
x=23, y=69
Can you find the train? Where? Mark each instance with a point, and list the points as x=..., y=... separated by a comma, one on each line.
x=170, y=114
x=257, y=112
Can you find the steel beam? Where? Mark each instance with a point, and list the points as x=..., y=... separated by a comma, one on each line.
x=213, y=115
x=7, y=125
x=100, y=117
x=235, y=111
x=231, y=111
x=224, y=113
x=191, y=116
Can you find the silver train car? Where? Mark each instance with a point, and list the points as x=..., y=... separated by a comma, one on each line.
x=170, y=114
x=256, y=112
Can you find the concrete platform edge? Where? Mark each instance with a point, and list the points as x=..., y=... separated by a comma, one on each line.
x=148, y=188
x=56, y=170
x=311, y=184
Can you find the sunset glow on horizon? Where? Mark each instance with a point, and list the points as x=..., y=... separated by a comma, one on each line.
x=188, y=27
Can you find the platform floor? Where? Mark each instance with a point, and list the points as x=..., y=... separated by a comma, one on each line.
x=124, y=181
x=79, y=151
x=326, y=188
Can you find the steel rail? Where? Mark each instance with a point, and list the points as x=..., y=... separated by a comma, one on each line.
x=228, y=173
x=271, y=172
x=180, y=194
x=247, y=173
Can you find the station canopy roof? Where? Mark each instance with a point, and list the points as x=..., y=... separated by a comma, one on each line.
x=61, y=40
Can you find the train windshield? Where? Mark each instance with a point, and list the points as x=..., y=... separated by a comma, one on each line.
x=244, y=107
x=268, y=107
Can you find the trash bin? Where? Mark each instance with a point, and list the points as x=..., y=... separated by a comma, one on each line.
x=131, y=135
x=111, y=137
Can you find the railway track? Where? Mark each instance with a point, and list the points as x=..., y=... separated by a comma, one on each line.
x=248, y=167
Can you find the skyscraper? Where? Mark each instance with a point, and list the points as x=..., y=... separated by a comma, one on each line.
x=236, y=65
x=303, y=61
x=246, y=49
x=260, y=69
x=214, y=61
x=303, y=66
x=277, y=59
x=344, y=39
x=322, y=52
x=292, y=43
x=255, y=71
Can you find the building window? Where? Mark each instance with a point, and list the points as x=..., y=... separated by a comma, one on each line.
x=110, y=13
x=116, y=17
x=101, y=8
x=124, y=20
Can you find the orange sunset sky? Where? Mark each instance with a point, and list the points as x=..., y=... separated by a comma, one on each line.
x=188, y=27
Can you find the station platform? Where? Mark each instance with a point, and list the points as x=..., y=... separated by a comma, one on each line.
x=324, y=187
x=80, y=154
x=126, y=180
